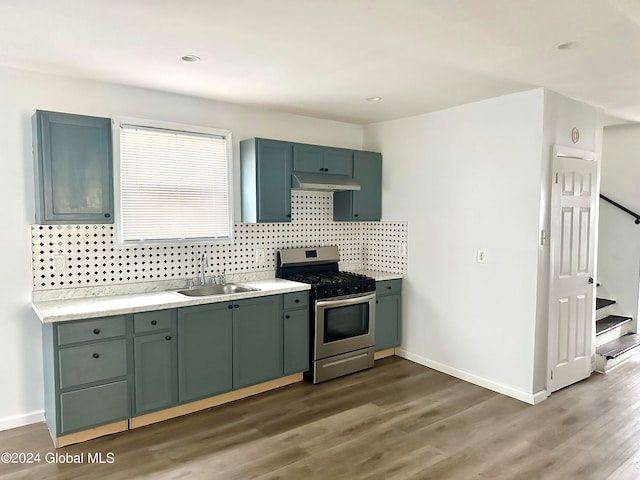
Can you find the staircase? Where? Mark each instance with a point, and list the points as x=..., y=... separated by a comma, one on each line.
x=615, y=340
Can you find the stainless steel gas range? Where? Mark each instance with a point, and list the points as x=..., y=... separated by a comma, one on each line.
x=342, y=311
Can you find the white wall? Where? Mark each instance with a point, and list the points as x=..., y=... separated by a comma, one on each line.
x=619, y=247
x=468, y=178
x=23, y=93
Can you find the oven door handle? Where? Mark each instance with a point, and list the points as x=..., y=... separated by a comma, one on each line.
x=346, y=301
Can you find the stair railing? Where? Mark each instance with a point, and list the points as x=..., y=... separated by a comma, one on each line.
x=623, y=208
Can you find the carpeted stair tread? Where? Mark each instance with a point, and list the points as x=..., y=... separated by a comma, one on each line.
x=609, y=323
x=619, y=346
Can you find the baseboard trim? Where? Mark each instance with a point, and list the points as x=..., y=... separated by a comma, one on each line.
x=21, y=420
x=471, y=378
x=173, y=412
x=384, y=354
x=92, y=433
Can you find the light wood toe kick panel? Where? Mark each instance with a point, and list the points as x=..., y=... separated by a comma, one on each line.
x=83, y=436
x=205, y=403
x=384, y=353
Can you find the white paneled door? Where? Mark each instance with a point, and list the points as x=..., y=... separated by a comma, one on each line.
x=573, y=236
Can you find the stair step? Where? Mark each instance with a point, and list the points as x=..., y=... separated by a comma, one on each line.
x=619, y=346
x=603, y=302
x=609, y=323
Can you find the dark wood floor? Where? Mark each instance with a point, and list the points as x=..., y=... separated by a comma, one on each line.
x=397, y=421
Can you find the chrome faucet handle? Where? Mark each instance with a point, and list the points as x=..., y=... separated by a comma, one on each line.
x=190, y=283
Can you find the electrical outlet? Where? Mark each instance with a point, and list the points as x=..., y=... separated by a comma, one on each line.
x=482, y=256
x=259, y=255
x=59, y=262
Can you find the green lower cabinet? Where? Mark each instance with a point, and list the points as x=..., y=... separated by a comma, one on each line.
x=257, y=341
x=296, y=341
x=97, y=405
x=155, y=372
x=388, y=314
x=204, y=351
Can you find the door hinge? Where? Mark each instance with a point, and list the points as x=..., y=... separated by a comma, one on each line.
x=544, y=237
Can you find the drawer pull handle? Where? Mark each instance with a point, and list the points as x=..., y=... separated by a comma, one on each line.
x=154, y=322
x=167, y=338
x=96, y=331
x=96, y=355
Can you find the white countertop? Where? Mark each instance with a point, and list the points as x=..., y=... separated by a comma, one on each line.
x=379, y=276
x=50, y=311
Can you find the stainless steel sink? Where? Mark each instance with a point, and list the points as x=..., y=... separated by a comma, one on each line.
x=220, y=289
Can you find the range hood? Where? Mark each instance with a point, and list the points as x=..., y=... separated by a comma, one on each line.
x=323, y=183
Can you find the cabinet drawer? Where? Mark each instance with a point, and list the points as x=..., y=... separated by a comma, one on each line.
x=92, y=363
x=94, y=406
x=296, y=300
x=388, y=287
x=152, y=321
x=88, y=330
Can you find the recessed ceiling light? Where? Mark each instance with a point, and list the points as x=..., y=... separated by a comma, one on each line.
x=568, y=46
x=373, y=99
x=190, y=58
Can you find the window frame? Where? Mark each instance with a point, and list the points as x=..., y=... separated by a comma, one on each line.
x=116, y=123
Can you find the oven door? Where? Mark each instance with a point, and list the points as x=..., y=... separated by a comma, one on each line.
x=344, y=324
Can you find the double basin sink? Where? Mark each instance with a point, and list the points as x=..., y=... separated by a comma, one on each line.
x=218, y=289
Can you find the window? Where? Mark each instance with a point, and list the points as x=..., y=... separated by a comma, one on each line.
x=172, y=182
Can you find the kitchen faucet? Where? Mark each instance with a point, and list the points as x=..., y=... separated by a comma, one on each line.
x=203, y=264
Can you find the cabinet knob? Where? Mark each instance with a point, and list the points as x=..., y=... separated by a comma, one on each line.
x=96, y=331
x=96, y=355
x=107, y=215
x=288, y=215
x=287, y=316
x=230, y=306
x=297, y=300
x=168, y=337
x=388, y=288
x=236, y=306
x=355, y=214
x=154, y=322
x=377, y=301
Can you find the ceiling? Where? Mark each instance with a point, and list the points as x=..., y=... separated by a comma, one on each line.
x=324, y=57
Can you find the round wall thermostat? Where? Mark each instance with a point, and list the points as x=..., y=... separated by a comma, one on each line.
x=575, y=135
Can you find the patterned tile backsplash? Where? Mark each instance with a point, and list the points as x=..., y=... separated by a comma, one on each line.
x=91, y=256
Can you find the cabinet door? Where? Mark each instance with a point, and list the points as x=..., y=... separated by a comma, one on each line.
x=338, y=161
x=364, y=204
x=155, y=370
x=274, y=181
x=257, y=341
x=73, y=163
x=367, y=171
x=388, y=322
x=308, y=158
x=296, y=341
x=204, y=351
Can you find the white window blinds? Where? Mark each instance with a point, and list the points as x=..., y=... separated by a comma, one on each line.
x=174, y=185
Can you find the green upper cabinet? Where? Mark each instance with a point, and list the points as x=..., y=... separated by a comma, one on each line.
x=204, y=350
x=266, y=180
x=73, y=168
x=364, y=204
x=322, y=160
x=257, y=340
